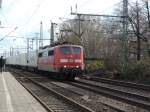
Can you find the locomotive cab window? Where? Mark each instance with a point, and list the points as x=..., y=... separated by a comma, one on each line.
x=76, y=50
x=65, y=50
x=40, y=55
x=51, y=53
x=44, y=54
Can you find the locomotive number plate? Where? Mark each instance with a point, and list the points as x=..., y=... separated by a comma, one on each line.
x=70, y=60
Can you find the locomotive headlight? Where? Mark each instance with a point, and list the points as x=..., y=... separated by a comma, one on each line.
x=78, y=60
x=63, y=60
x=65, y=66
x=77, y=66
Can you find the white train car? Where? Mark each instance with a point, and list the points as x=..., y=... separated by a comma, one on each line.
x=11, y=60
x=32, y=60
x=21, y=60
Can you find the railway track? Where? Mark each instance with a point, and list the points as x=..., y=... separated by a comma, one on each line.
x=50, y=99
x=120, y=83
x=110, y=92
x=76, y=94
x=124, y=96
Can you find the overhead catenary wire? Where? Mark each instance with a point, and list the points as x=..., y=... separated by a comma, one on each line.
x=25, y=24
x=9, y=33
x=32, y=15
x=34, y=12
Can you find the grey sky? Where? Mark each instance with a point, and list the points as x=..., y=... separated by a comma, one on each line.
x=22, y=17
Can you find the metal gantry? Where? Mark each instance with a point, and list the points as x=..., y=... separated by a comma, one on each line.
x=125, y=27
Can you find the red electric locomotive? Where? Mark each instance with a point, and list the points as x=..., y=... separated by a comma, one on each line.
x=65, y=60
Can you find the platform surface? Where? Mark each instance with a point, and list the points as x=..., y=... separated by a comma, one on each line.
x=15, y=98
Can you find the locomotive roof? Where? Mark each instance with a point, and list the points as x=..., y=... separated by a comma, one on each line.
x=50, y=48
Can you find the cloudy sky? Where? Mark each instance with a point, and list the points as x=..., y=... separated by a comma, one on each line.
x=21, y=18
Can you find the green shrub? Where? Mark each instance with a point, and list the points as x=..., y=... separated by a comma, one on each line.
x=138, y=70
x=94, y=65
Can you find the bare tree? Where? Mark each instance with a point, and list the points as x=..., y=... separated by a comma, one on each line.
x=101, y=37
x=140, y=26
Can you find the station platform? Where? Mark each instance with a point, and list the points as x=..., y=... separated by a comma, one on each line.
x=15, y=98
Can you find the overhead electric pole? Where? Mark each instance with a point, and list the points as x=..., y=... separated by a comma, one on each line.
x=52, y=33
x=138, y=34
x=125, y=26
x=37, y=39
x=28, y=50
x=80, y=35
x=148, y=17
x=125, y=35
x=41, y=35
x=79, y=19
x=147, y=7
x=125, y=17
x=0, y=3
x=100, y=15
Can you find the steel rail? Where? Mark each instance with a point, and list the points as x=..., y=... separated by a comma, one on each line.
x=33, y=94
x=115, y=94
x=68, y=100
x=121, y=83
x=37, y=98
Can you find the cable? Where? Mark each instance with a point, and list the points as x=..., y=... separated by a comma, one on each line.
x=34, y=12
x=9, y=33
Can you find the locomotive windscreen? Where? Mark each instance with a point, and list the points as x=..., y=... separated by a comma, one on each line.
x=65, y=50
x=70, y=50
x=76, y=50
